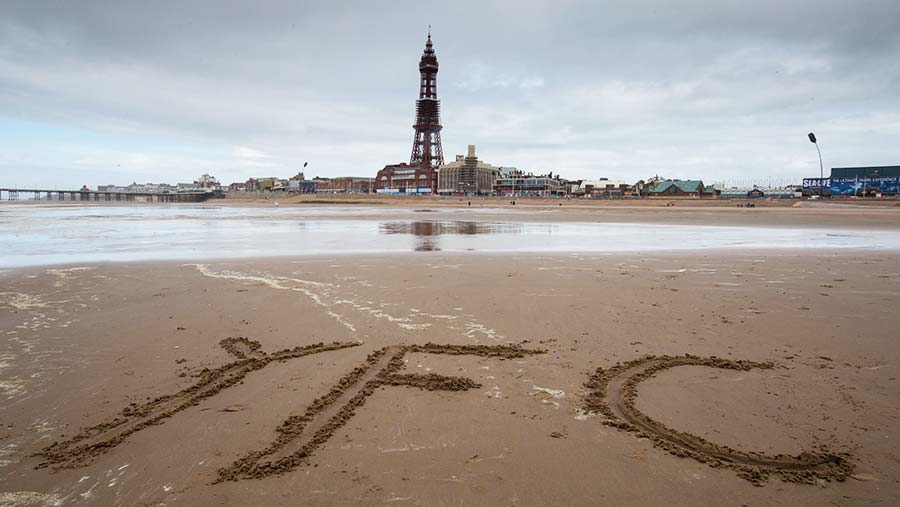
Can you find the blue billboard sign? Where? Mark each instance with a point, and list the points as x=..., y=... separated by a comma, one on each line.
x=885, y=185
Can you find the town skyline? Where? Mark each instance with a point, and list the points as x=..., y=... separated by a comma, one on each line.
x=621, y=95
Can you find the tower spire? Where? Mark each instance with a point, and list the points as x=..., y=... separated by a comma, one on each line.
x=426, y=149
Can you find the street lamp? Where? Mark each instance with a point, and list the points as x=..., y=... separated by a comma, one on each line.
x=812, y=139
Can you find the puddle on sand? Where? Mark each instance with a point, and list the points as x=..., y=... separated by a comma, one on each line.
x=36, y=235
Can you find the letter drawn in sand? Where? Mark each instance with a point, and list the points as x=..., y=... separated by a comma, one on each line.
x=613, y=395
x=91, y=442
x=300, y=435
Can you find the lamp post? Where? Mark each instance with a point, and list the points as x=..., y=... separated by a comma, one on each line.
x=812, y=139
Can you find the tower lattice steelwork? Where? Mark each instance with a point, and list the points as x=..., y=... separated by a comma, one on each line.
x=426, y=149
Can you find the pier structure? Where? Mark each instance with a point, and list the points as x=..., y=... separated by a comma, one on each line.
x=14, y=194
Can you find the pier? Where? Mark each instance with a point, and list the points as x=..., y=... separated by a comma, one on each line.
x=14, y=194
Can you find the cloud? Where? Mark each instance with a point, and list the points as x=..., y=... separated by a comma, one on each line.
x=479, y=76
x=532, y=82
x=721, y=90
x=245, y=152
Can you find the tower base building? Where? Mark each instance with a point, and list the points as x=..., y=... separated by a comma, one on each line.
x=405, y=179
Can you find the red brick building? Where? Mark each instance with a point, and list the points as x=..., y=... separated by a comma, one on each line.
x=406, y=179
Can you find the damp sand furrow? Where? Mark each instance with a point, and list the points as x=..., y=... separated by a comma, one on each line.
x=299, y=436
x=98, y=439
x=615, y=394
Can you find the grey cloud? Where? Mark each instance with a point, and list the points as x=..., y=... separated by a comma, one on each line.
x=716, y=90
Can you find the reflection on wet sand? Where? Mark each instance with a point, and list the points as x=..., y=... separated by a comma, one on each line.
x=426, y=232
x=33, y=235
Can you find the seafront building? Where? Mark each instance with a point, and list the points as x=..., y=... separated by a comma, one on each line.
x=205, y=183
x=679, y=188
x=603, y=187
x=756, y=191
x=344, y=185
x=267, y=184
x=300, y=185
x=405, y=179
x=139, y=188
x=467, y=176
x=516, y=183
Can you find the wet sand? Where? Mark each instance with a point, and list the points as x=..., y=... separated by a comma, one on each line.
x=875, y=213
x=45, y=235
x=584, y=203
x=434, y=378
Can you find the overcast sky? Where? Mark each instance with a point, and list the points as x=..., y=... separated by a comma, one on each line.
x=97, y=92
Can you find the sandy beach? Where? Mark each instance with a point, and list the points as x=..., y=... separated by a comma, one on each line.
x=705, y=377
x=439, y=254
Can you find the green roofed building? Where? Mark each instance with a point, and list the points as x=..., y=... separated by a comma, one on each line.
x=680, y=188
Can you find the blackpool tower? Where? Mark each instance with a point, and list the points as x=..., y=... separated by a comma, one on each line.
x=426, y=148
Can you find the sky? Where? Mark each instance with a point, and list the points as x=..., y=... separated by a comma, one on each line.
x=113, y=92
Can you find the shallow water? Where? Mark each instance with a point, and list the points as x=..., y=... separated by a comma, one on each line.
x=41, y=235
